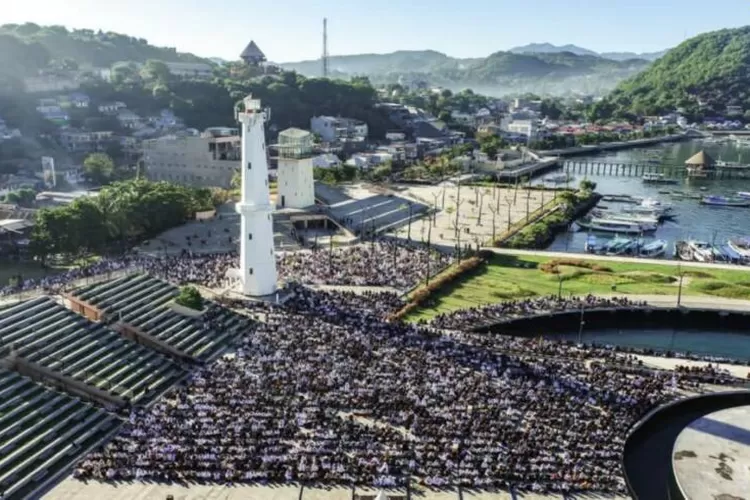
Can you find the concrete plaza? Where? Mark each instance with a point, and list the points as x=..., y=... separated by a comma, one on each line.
x=468, y=213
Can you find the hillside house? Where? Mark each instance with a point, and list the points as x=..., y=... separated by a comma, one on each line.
x=129, y=119
x=111, y=108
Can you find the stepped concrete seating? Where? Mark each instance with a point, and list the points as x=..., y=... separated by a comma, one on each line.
x=42, y=432
x=47, y=334
x=384, y=213
x=143, y=301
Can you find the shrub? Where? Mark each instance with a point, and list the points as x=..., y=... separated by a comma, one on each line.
x=553, y=266
x=190, y=297
x=423, y=293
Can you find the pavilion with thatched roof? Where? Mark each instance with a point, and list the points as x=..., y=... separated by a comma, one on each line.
x=253, y=55
x=700, y=164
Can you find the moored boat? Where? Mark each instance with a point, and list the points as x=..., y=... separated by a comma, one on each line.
x=559, y=179
x=741, y=246
x=744, y=194
x=658, y=178
x=656, y=248
x=724, y=201
x=619, y=246
x=701, y=251
x=592, y=244
x=615, y=226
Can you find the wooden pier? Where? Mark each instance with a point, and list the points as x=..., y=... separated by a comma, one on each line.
x=674, y=171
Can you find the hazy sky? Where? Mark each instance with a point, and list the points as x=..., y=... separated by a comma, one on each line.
x=290, y=30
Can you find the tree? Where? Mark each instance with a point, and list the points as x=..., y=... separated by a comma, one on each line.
x=381, y=172
x=98, y=168
x=587, y=185
x=190, y=297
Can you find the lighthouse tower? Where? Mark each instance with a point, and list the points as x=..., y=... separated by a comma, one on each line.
x=257, y=261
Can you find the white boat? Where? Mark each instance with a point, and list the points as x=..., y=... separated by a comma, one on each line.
x=741, y=246
x=615, y=226
x=626, y=217
x=657, y=178
x=656, y=248
x=744, y=194
x=652, y=203
x=701, y=251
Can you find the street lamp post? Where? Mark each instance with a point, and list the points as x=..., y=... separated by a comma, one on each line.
x=580, y=326
x=679, y=288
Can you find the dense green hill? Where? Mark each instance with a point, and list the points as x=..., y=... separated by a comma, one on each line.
x=712, y=69
x=25, y=48
x=499, y=73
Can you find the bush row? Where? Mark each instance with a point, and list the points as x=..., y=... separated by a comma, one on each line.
x=455, y=272
x=552, y=266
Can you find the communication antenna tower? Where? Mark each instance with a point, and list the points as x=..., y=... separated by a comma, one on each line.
x=325, y=48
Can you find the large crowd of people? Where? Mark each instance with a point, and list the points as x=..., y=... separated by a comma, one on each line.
x=379, y=264
x=473, y=317
x=324, y=391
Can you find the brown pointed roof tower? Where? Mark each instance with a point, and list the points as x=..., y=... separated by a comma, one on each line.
x=253, y=55
x=700, y=159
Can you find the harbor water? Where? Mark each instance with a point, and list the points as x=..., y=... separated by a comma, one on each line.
x=725, y=344
x=693, y=221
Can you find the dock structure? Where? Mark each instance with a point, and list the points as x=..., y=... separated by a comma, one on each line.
x=673, y=170
x=528, y=171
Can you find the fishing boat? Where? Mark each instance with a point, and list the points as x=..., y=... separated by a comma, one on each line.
x=701, y=251
x=559, y=179
x=621, y=198
x=741, y=246
x=657, y=178
x=619, y=246
x=730, y=255
x=625, y=217
x=615, y=226
x=656, y=248
x=592, y=244
x=744, y=194
x=723, y=201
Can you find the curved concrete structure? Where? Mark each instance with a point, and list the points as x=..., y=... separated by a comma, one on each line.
x=711, y=457
x=647, y=456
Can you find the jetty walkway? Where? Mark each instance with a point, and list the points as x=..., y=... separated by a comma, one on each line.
x=617, y=258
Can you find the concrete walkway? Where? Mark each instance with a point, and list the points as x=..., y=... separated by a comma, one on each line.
x=617, y=258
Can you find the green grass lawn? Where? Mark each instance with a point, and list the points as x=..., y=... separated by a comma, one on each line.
x=509, y=277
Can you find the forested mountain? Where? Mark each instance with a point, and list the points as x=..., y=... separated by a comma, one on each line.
x=501, y=72
x=548, y=48
x=26, y=48
x=703, y=75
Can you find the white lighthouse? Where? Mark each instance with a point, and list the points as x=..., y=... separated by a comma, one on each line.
x=257, y=263
x=295, y=171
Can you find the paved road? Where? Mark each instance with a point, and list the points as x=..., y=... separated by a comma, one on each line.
x=616, y=258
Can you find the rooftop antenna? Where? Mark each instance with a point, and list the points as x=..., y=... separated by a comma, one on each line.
x=325, y=48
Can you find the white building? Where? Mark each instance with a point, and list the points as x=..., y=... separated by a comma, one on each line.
x=295, y=170
x=332, y=129
x=328, y=160
x=395, y=136
x=257, y=262
x=49, y=83
x=527, y=128
x=209, y=160
x=200, y=71
x=111, y=107
x=129, y=119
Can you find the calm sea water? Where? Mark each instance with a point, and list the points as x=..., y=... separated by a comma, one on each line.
x=715, y=343
x=694, y=221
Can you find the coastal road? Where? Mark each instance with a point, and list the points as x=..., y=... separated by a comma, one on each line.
x=616, y=258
